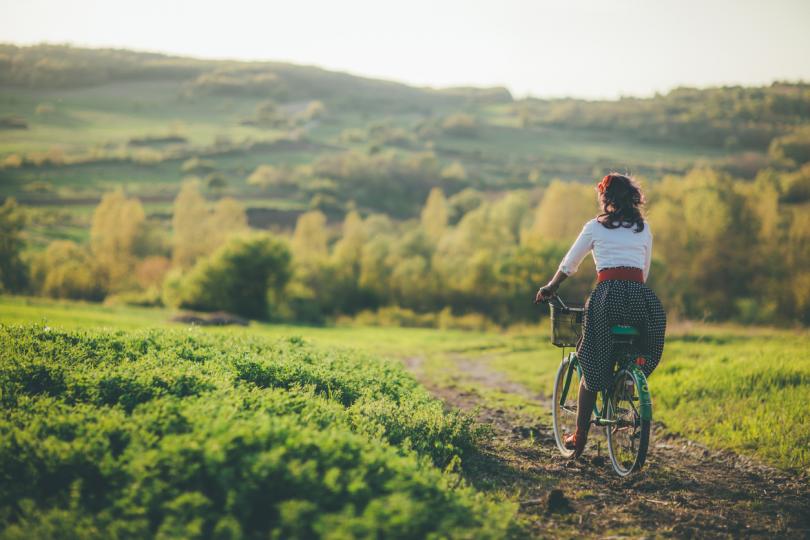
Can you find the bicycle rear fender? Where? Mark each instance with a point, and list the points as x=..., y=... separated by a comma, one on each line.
x=644, y=398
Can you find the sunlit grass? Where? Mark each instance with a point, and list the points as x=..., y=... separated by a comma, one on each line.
x=745, y=389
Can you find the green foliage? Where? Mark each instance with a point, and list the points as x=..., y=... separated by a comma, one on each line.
x=797, y=186
x=116, y=232
x=174, y=435
x=460, y=125
x=66, y=270
x=196, y=166
x=722, y=117
x=383, y=148
x=238, y=277
x=13, y=273
x=794, y=147
x=394, y=183
x=229, y=81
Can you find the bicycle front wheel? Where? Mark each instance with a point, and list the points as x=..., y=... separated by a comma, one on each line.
x=564, y=405
x=628, y=434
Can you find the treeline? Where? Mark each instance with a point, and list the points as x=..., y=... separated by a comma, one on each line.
x=724, y=250
x=728, y=117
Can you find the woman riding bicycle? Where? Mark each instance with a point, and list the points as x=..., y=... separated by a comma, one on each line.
x=621, y=243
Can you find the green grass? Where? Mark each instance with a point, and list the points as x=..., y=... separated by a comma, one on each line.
x=749, y=394
x=181, y=433
x=744, y=389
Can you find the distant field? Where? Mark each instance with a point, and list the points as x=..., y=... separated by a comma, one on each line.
x=729, y=387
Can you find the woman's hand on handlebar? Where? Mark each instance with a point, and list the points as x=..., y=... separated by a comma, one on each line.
x=550, y=290
x=545, y=293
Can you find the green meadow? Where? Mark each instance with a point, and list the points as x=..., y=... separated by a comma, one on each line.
x=729, y=387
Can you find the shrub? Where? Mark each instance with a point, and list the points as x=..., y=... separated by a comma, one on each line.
x=196, y=165
x=66, y=270
x=12, y=161
x=460, y=125
x=238, y=277
x=171, y=434
x=794, y=147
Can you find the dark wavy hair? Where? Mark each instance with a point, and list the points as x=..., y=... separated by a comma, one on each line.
x=621, y=200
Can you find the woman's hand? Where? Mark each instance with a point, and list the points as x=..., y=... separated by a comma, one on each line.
x=545, y=293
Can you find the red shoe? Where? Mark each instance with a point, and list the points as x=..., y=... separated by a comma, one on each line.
x=575, y=442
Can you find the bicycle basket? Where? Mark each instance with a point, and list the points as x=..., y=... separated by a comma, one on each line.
x=566, y=324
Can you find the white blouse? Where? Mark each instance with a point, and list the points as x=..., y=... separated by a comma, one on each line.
x=611, y=248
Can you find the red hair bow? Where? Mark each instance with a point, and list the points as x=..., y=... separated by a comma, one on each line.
x=605, y=183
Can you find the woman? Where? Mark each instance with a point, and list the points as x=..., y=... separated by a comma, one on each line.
x=621, y=243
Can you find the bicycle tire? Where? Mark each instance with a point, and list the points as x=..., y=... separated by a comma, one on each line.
x=562, y=419
x=641, y=432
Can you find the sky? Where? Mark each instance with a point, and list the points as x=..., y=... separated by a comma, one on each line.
x=580, y=48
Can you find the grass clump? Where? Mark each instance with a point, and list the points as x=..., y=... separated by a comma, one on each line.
x=747, y=394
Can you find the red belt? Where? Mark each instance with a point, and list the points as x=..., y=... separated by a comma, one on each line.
x=622, y=274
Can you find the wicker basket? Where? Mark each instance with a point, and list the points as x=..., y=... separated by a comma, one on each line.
x=566, y=324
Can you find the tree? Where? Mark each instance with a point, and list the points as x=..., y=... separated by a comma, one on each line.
x=463, y=202
x=150, y=272
x=189, y=223
x=216, y=183
x=227, y=219
x=118, y=223
x=13, y=273
x=66, y=270
x=309, y=242
x=798, y=260
x=460, y=125
x=508, y=215
x=196, y=165
x=564, y=209
x=239, y=277
x=348, y=250
x=454, y=172
x=704, y=229
x=266, y=176
x=434, y=214
x=315, y=109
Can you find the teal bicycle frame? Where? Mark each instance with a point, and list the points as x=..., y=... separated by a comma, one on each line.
x=643, y=391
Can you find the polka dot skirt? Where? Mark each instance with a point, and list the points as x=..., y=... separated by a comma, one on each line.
x=615, y=302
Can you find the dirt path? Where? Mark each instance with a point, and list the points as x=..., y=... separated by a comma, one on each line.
x=685, y=489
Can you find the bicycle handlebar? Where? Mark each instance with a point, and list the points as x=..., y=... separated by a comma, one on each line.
x=551, y=299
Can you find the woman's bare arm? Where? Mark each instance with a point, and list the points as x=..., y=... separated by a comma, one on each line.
x=548, y=291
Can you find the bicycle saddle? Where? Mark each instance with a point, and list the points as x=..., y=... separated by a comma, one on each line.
x=622, y=330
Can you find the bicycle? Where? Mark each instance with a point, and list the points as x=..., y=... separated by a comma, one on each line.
x=626, y=405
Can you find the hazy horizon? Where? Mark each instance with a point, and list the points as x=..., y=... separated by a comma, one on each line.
x=582, y=49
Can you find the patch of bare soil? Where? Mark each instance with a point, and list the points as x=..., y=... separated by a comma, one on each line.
x=685, y=489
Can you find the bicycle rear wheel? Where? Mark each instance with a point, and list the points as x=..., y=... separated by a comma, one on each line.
x=564, y=404
x=628, y=434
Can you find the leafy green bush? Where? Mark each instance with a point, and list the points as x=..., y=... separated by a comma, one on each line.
x=237, y=277
x=67, y=270
x=192, y=435
x=793, y=146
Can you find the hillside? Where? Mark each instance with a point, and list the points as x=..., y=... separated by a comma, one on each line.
x=77, y=122
x=131, y=171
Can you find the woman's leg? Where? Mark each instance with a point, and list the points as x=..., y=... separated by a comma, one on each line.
x=585, y=403
x=594, y=354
